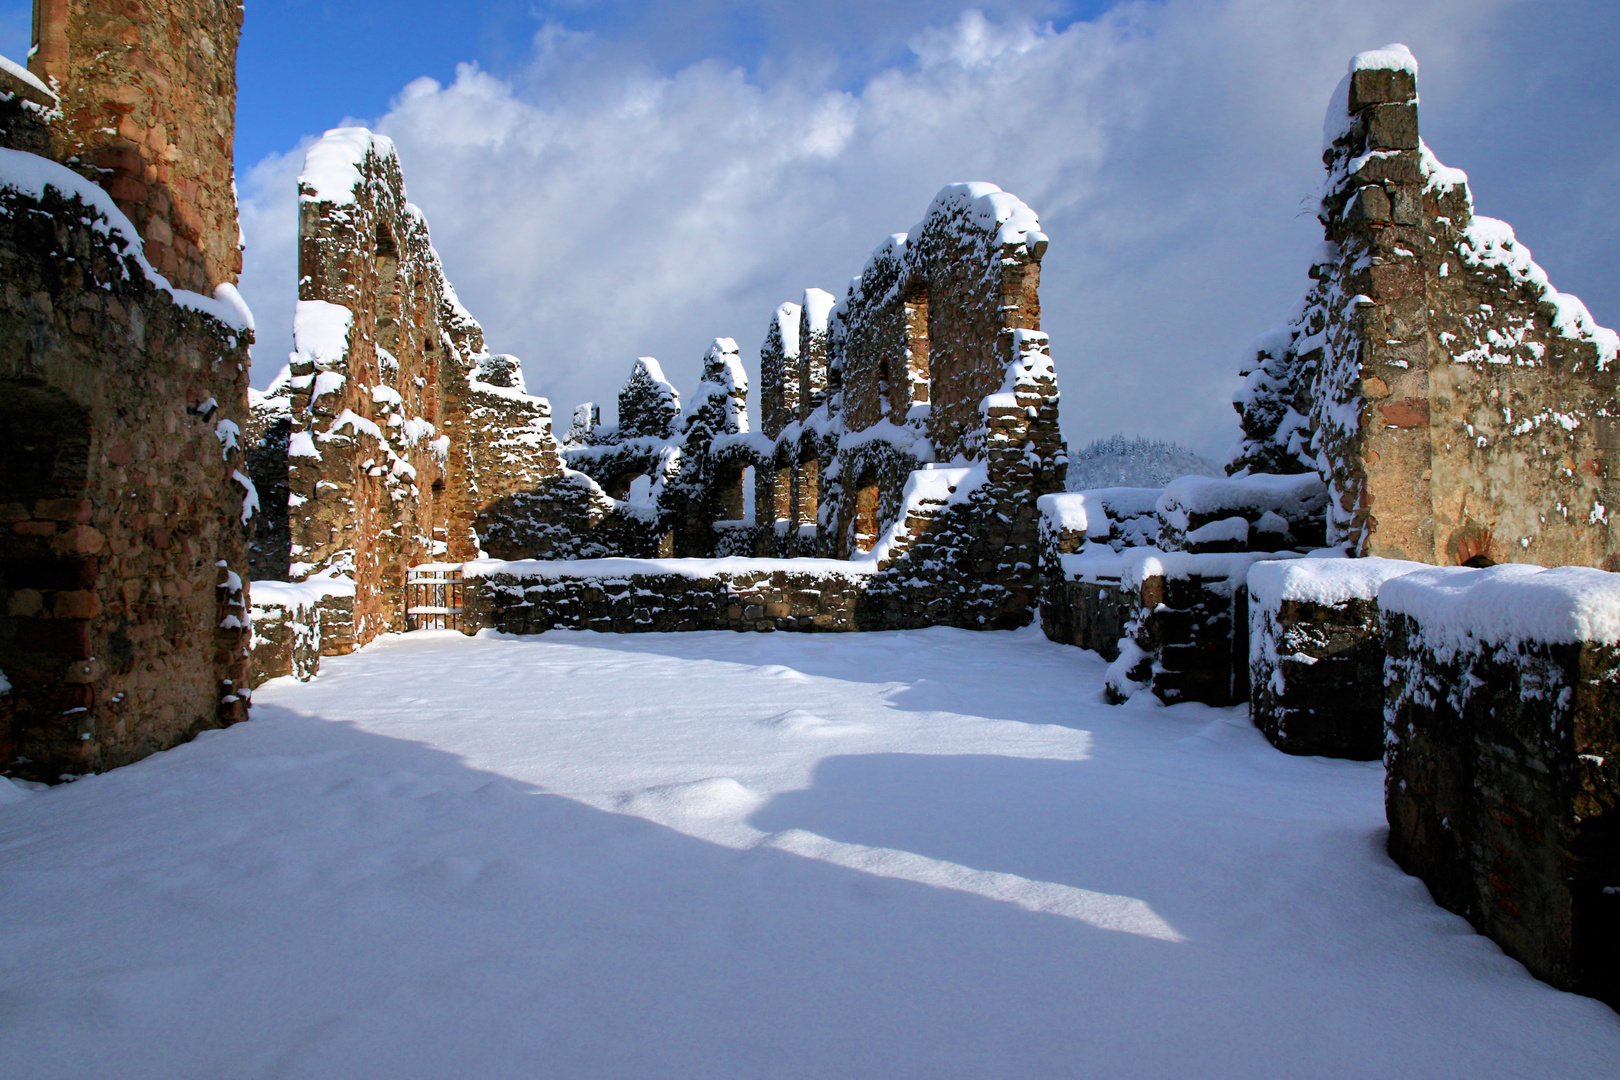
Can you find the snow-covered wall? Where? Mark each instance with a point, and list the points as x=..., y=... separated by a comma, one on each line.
x=1503, y=757
x=1459, y=407
x=123, y=626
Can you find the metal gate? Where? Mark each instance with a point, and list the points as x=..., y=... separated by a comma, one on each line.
x=433, y=597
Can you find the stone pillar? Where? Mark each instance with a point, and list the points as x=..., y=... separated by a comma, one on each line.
x=1381, y=468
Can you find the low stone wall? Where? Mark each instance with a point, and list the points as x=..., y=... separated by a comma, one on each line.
x=1503, y=758
x=296, y=623
x=1081, y=535
x=1316, y=654
x=1186, y=637
x=642, y=595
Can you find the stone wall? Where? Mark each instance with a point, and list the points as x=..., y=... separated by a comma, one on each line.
x=636, y=596
x=1187, y=626
x=1458, y=404
x=126, y=510
x=1316, y=654
x=410, y=442
x=148, y=93
x=1503, y=759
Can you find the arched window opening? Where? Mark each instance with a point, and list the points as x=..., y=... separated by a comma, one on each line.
x=866, y=513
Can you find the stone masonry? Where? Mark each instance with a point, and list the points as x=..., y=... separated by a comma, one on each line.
x=1503, y=759
x=1459, y=406
x=408, y=440
x=126, y=510
x=148, y=99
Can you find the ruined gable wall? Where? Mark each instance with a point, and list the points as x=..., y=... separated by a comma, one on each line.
x=123, y=545
x=148, y=94
x=1459, y=405
x=1522, y=391
x=369, y=466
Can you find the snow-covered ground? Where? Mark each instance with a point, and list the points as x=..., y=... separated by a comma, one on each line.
x=930, y=854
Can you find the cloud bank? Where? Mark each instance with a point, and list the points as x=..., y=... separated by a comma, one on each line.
x=594, y=209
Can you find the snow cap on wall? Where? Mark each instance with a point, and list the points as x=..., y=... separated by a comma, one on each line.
x=332, y=165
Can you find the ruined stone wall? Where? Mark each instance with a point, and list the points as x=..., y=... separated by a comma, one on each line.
x=123, y=549
x=1503, y=759
x=409, y=440
x=1458, y=405
x=778, y=372
x=633, y=596
x=265, y=438
x=148, y=93
x=1316, y=654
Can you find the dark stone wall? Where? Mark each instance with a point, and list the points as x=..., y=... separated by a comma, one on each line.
x=618, y=599
x=1503, y=795
x=1316, y=678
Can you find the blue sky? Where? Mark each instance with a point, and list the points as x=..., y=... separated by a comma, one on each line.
x=606, y=180
x=306, y=65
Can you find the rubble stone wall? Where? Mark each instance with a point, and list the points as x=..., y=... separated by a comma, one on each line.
x=1503, y=760
x=123, y=628
x=632, y=596
x=148, y=111
x=1316, y=654
x=1458, y=405
x=409, y=443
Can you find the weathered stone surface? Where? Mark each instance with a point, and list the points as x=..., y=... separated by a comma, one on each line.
x=148, y=111
x=410, y=442
x=124, y=540
x=622, y=597
x=1453, y=400
x=1503, y=790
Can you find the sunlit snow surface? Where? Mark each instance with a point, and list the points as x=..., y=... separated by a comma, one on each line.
x=931, y=854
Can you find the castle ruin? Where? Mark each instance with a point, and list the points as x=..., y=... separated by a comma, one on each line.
x=1433, y=426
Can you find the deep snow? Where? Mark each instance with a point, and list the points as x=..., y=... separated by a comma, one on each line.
x=924, y=854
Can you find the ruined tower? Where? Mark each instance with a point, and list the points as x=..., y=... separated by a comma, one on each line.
x=148, y=93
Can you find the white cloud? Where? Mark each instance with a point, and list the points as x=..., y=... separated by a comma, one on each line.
x=594, y=210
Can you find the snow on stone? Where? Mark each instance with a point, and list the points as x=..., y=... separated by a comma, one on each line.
x=1323, y=581
x=1138, y=564
x=332, y=164
x=31, y=175
x=1390, y=58
x=321, y=333
x=1068, y=511
x=693, y=569
x=1490, y=243
x=787, y=328
x=1459, y=607
x=26, y=77
x=296, y=594
x=993, y=210
x=1292, y=496
x=1226, y=530
x=817, y=307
